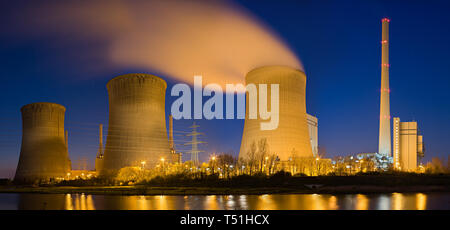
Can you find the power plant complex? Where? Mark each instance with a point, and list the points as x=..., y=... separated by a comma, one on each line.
x=137, y=134
x=408, y=143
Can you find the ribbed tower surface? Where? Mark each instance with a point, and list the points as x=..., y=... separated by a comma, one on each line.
x=43, y=154
x=137, y=128
x=291, y=136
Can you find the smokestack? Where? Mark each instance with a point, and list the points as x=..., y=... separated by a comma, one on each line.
x=43, y=153
x=171, y=144
x=292, y=132
x=137, y=131
x=99, y=158
x=384, y=141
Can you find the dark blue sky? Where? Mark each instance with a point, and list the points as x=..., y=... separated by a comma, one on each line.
x=338, y=43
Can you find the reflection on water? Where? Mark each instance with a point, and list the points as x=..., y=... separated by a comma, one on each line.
x=394, y=201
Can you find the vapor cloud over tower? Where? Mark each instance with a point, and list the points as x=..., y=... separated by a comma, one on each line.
x=292, y=132
x=43, y=153
x=384, y=144
x=137, y=127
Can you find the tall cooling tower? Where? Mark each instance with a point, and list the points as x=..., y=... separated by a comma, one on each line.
x=43, y=153
x=292, y=132
x=137, y=132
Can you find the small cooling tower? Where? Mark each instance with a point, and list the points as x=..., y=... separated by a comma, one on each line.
x=292, y=132
x=137, y=134
x=43, y=155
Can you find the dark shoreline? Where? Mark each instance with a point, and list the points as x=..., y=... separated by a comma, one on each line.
x=146, y=190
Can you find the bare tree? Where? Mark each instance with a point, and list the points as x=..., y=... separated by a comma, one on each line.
x=263, y=149
x=436, y=165
x=251, y=158
x=226, y=162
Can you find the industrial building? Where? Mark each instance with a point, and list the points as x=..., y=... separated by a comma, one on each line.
x=43, y=154
x=313, y=125
x=292, y=135
x=137, y=134
x=408, y=145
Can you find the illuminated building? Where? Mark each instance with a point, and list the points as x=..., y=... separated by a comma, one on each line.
x=408, y=145
x=313, y=123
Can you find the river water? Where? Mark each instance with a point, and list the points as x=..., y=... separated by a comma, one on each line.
x=391, y=201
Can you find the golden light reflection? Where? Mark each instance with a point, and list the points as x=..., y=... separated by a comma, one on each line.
x=141, y=203
x=362, y=202
x=186, y=203
x=317, y=202
x=211, y=203
x=332, y=203
x=397, y=201
x=162, y=203
x=394, y=201
x=265, y=202
x=79, y=202
x=68, y=203
x=421, y=201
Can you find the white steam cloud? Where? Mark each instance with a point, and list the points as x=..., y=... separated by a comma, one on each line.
x=180, y=39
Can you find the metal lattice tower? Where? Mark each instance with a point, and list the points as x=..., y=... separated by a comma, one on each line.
x=194, y=143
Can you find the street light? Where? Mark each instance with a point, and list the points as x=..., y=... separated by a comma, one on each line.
x=143, y=164
x=162, y=164
x=213, y=159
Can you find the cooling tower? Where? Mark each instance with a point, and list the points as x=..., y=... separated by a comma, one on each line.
x=292, y=132
x=43, y=154
x=137, y=132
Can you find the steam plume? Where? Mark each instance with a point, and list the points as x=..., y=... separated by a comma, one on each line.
x=215, y=39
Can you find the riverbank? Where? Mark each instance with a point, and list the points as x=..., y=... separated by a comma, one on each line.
x=145, y=190
x=249, y=185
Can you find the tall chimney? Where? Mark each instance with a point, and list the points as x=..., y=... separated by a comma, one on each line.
x=99, y=158
x=384, y=144
x=171, y=144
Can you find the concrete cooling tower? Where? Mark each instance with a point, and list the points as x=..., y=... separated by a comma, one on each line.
x=137, y=134
x=292, y=132
x=43, y=154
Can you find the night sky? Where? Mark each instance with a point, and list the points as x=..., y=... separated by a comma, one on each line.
x=338, y=43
